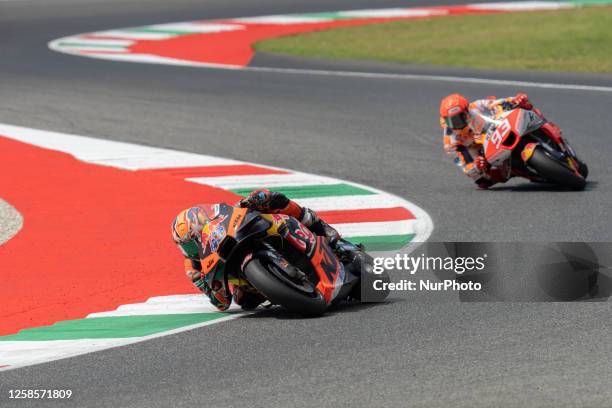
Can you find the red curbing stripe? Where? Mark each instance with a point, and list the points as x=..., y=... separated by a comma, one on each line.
x=366, y=215
x=4, y=366
x=218, y=171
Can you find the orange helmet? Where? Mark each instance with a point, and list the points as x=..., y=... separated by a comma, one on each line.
x=454, y=111
x=186, y=231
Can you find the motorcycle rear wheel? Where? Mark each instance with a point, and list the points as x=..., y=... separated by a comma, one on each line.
x=552, y=170
x=278, y=292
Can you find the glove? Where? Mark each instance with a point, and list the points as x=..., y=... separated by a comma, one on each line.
x=198, y=280
x=521, y=100
x=266, y=201
x=490, y=178
x=482, y=164
x=201, y=284
x=218, y=296
x=450, y=148
x=257, y=200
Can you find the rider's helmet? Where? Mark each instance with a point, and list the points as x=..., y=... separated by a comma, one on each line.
x=187, y=229
x=454, y=111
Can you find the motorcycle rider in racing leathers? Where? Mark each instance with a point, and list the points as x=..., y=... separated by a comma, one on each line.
x=464, y=132
x=187, y=229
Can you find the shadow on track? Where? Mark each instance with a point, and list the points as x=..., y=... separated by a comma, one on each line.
x=341, y=308
x=542, y=187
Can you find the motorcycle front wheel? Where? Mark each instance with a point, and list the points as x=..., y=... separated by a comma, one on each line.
x=550, y=169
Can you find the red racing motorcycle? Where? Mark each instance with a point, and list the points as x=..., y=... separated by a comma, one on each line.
x=523, y=143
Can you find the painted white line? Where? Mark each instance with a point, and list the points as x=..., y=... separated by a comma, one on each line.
x=122, y=155
x=434, y=78
x=97, y=41
x=141, y=310
x=264, y=180
x=194, y=27
x=356, y=202
x=392, y=13
x=282, y=19
x=134, y=35
x=376, y=228
x=18, y=354
x=522, y=6
x=159, y=300
x=154, y=59
x=165, y=159
x=24, y=353
x=174, y=304
x=85, y=49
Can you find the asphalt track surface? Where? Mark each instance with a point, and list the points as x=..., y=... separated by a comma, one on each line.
x=426, y=350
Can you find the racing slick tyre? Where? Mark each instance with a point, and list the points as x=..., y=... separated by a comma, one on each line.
x=554, y=171
x=281, y=293
x=583, y=169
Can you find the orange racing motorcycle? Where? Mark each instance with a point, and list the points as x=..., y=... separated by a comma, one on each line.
x=285, y=262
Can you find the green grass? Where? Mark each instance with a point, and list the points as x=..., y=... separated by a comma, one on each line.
x=577, y=40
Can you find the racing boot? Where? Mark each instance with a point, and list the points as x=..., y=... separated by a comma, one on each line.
x=311, y=220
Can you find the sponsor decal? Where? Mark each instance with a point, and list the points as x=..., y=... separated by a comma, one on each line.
x=216, y=237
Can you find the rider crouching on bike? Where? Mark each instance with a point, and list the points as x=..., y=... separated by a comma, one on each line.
x=464, y=133
x=187, y=229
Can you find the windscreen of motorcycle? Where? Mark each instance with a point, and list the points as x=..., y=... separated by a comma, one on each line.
x=482, y=122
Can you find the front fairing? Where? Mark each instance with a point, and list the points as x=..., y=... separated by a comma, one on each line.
x=505, y=132
x=224, y=220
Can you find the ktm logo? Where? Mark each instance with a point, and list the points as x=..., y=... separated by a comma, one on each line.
x=210, y=262
x=237, y=220
x=329, y=262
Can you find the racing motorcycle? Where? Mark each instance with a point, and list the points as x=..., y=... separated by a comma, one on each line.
x=526, y=145
x=268, y=254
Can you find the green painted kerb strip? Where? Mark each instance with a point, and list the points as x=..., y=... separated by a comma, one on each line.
x=324, y=190
x=383, y=242
x=111, y=327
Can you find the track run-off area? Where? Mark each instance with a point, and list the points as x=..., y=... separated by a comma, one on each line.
x=337, y=136
x=81, y=196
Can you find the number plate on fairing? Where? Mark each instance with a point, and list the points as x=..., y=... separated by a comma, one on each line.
x=493, y=151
